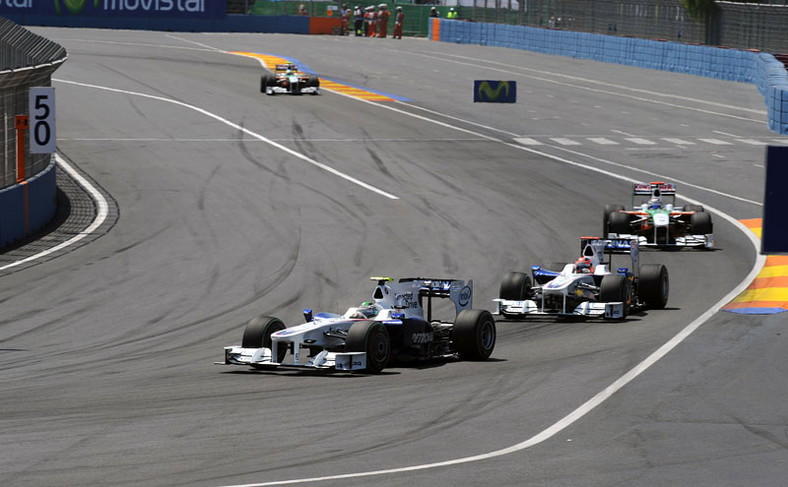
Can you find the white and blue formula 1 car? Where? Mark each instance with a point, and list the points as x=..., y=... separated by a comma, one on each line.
x=656, y=221
x=589, y=287
x=286, y=78
x=396, y=324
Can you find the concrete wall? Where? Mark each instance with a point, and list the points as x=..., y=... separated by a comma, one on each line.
x=758, y=68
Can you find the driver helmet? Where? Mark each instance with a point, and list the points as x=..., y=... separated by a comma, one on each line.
x=367, y=309
x=655, y=203
x=584, y=266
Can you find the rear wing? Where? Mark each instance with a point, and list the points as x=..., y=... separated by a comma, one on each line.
x=610, y=246
x=647, y=189
x=458, y=291
x=284, y=67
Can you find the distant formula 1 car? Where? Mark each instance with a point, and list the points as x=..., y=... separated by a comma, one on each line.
x=391, y=326
x=657, y=223
x=588, y=287
x=288, y=79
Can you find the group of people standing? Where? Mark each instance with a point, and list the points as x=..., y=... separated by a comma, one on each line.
x=372, y=21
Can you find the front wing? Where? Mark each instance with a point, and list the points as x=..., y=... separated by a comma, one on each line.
x=590, y=309
x=273, y=90
x=705, y=241
x=263, y=357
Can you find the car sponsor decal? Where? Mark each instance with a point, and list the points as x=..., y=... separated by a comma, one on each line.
x=768, y=293
x=271, y=61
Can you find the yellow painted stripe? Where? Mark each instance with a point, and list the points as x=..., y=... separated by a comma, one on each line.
x=768, y=289
x=763, y=294
x=773, y=271
x=271, y=62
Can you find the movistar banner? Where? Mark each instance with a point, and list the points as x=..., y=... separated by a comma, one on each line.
x=207, y=9
x=494, y=91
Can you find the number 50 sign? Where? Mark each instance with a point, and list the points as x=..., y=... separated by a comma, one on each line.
x=42, y=120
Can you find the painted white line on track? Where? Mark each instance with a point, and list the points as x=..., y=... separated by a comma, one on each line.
x=245, y=130
x=604, y=394
x=618, y=93
x=101, y=215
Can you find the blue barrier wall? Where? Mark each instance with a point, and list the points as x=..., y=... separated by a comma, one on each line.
x=760, y=69
x=16, y=221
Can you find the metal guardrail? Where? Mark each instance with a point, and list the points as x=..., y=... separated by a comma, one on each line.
x=26, y=59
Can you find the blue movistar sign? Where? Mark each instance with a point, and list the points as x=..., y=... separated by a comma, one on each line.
x=489, y=91
x=208, y=9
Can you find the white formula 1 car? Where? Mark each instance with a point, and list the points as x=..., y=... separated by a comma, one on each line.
x=286, y=78
x=656, y=221
x=589, y=287
x=394, y=325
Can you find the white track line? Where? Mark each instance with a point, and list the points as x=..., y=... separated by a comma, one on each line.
x=607, y=392
x=103, y=211
x=242, y=129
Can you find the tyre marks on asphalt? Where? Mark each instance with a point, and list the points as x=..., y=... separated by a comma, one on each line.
x=270, y=61
x=768, y=293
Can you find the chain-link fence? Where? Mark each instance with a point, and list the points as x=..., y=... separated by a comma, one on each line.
x=26, y=60
x=751, y=25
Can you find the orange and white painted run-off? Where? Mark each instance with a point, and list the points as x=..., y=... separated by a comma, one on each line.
x=270, y=62
x=768, y=293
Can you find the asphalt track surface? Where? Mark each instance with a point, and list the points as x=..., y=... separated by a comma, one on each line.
x=221, y=214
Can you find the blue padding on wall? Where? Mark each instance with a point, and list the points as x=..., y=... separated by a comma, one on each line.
x=42, y=204
x=760, y=69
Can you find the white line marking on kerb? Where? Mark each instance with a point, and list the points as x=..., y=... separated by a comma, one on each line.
x=607, y=392
x=242, y=129
x=101, y=215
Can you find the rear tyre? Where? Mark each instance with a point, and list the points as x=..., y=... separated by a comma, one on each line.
x=313, y=81
x=619, y=223
x=474, y=334
x=258, y=334
x=609, y=210
x=373, y=338
x=654, y=285
x=695, y=208
x=700, y=223
x=515, y=286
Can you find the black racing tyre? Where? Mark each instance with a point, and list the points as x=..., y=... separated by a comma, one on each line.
x=266, y=80
x=474, y=334
x=654, y=285
x=700, y=223
x=373, y=338
x=258, y=334
x=515, y=286
x=619, y=223
x=615, y=288
x=313, y=81
x=695, y=208
x=609, y=210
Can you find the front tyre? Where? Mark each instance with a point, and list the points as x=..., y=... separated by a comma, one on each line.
x=474, y=334
x=700, y=223
x=619, y=223
x=258, y=333
x=515, y=286
x=653, y=285
x=373, y=338
x=609, y=210
x=615, y=288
